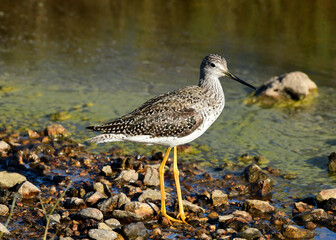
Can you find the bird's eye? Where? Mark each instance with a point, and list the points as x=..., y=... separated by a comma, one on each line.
x=212, y=65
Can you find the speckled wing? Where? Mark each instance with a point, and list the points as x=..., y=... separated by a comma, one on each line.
x=170, y=114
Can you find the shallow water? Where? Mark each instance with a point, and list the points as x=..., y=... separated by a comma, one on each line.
x=99, y=60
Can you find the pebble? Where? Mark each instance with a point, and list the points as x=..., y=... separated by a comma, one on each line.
x=250, y=234
x=102, y=225
x=253, y=174
x=93, y=213
x=128, y=176
x=10, y=179
x=294, y=232
x=151, y=177
x=107, y=170
x=150, y=194
x=99, y=187
x=134, y=230
x=3, y=229
x=114, y=202
x=242, y=214
x=258, y=206
x=55, y=219
x=127, y=216
x=113, y=223
x=102, y=234
x=144, y=210
x=94, y=197
x=219, y=198
x=74, y=202
x=28, y=190
x=326, y=194
x=4, y=210
x=56, y=131
x=4, y=147
x=188, y=206
x=315, y=215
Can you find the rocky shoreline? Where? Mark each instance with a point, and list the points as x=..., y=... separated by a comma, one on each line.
x=51, y=181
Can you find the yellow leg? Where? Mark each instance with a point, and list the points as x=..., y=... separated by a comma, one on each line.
x=178, y=187
x=162, y=188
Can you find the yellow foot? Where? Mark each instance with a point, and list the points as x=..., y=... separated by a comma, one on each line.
x=182, y=217
x=171, y=219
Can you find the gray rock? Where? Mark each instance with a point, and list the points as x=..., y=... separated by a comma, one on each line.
x=225, y=218
x=294, y=85
x=28, y=190
x=188, y=206
x=74, y=202
x=114, y=202
x=128, y=176
x=3, y=229
x=152, y=177
x=219, y=198
x=258, y=206
x=326, y=194
x=10, y=179
x=126, y=216
x=242, y=214
x=152, y=195
x=55, y=219
x=102, y=234
x=93, y=197
x=134, y=230
x=113, y=223
x=250, y=234
x=294, y=232
x=102, y=225
x=93, y=213
x=4, y=147
x=107, y=170
x=144, y=210
x=4, y=210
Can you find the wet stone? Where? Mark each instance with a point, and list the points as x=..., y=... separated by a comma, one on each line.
x=55, y=219
x=102, y=234
x=219, y=198
x=152, y=195
x=294, y=232
x=10, y=179
x=99, y=187
x=126, y=216
x=102, y=225
x=315, y=215
x=279, y=218
x=188, y=206
x=4, y=210
x=128, y=176
x=93, y=197
x=28, y=190
x=151, y=177
x=144, y=210
x=134, y=230
x=4, y=147
x=300, y=207
x=242, y=214
x=329, y=204
x=107, y=170
x=326, y=194
x=3, y=229
x=250, y=234
x=254, y=173
x=56, y=131
x=113, y=223
x=258, y=206
x=93, y=213
x=74, y=202
x=332, y=162
x=114, y=202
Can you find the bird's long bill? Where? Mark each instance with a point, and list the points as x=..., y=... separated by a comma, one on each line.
x=232, y=76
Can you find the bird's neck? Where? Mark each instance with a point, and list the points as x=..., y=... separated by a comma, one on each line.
x=212, y=83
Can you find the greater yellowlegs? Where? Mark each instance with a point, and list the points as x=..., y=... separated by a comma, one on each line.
x=173, y=119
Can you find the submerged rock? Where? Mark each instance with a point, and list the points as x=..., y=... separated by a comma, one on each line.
x=289, y=86
x=134, y=230
x=332, y=162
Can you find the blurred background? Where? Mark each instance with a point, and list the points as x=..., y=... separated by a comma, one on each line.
x=85, y=62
